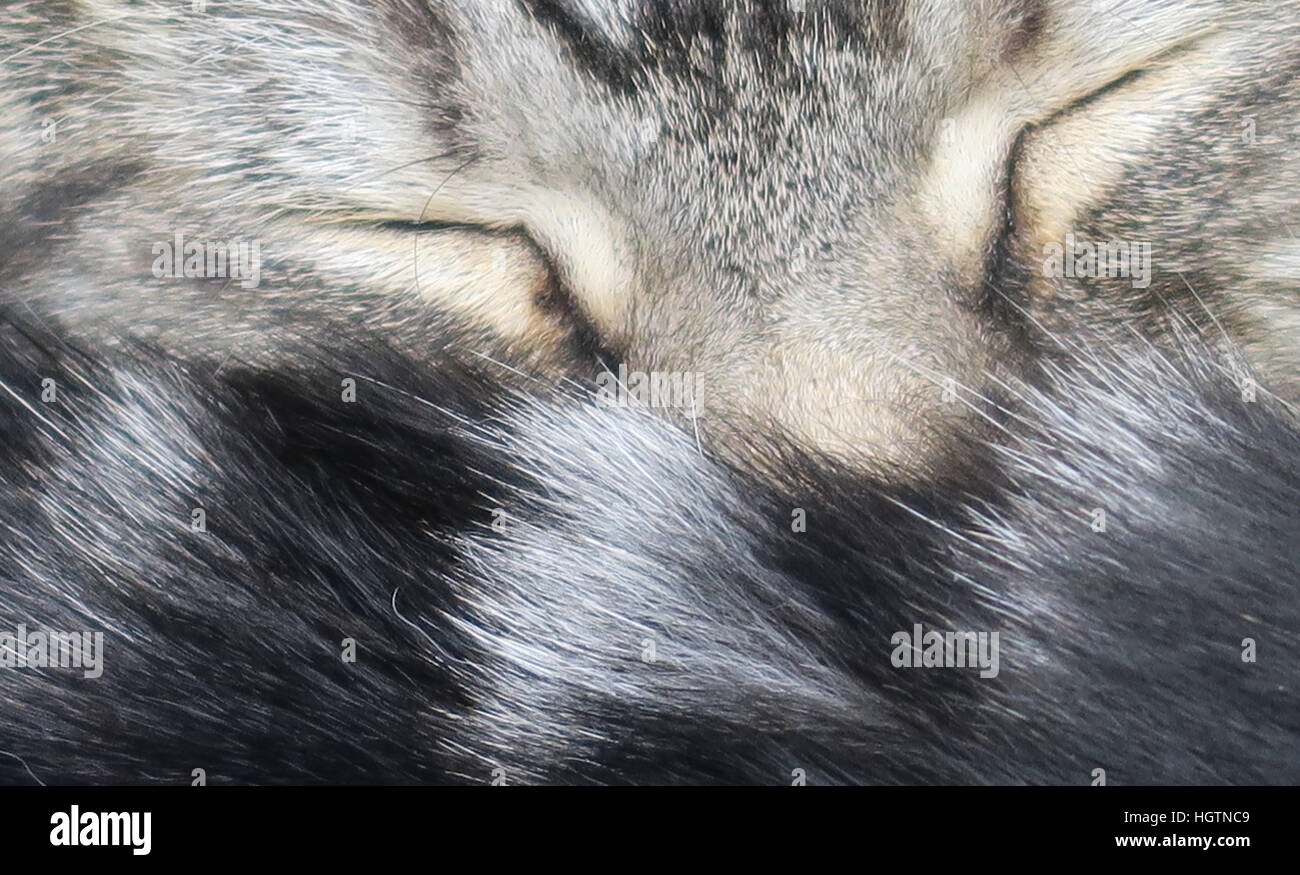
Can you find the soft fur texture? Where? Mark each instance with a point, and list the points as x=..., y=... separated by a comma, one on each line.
x=523, y=647
x=834, y=213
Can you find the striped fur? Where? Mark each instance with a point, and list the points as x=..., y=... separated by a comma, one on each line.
x=429, y=551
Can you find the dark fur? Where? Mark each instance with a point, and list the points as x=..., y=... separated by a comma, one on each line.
x=521, y=649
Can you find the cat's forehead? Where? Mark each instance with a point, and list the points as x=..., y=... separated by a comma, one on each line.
x=622, y=42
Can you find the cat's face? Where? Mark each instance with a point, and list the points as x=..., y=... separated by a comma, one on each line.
x=836, y=217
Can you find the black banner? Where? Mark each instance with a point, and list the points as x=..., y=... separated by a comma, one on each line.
x=212, y=824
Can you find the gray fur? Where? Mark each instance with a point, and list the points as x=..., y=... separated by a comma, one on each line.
x=833, y=212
